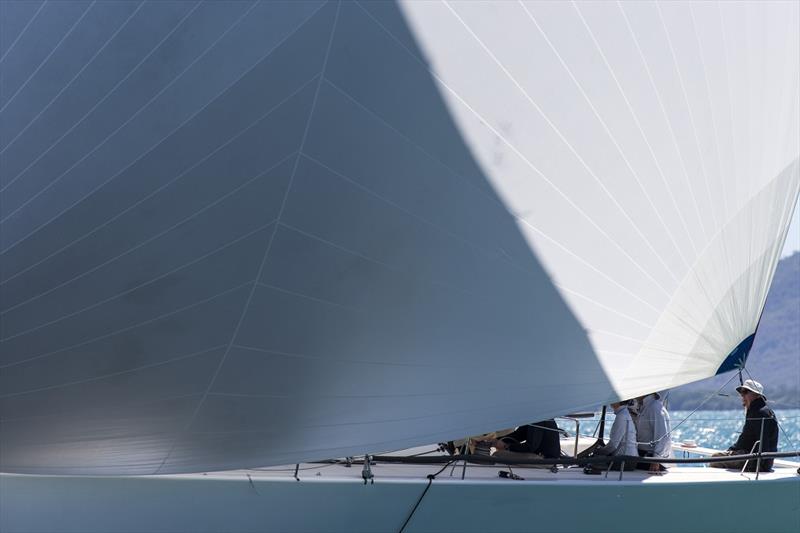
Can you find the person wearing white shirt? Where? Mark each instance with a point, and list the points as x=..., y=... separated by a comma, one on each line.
x=653, y=431
x=622, y=440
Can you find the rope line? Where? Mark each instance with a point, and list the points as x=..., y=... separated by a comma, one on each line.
x=431, y=477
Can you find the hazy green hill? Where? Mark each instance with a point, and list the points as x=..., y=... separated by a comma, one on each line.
x=775, y=358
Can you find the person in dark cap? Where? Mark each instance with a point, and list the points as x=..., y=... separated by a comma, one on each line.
x=755, y=404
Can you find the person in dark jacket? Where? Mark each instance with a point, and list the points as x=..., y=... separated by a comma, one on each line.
x=755, y=404
x=541, y=437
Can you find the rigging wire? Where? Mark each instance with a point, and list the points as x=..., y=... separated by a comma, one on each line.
x=426, y=453
x=318, y=467
x=672, y=429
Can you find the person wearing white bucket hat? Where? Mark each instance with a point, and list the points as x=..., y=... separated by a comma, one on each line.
x=753, y=386
x=755, y=404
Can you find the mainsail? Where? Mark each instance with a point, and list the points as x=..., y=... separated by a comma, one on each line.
x=235, y=234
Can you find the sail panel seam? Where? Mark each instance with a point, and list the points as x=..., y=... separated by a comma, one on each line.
x=246, y=306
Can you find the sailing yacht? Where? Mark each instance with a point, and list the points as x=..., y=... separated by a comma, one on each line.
x=240, y=235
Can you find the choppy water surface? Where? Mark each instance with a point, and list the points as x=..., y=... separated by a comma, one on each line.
x=720, y=429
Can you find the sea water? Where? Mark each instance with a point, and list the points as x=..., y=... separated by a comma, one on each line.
x=720, y=429
x=710, y=429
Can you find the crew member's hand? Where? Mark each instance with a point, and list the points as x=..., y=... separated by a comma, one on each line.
x=500, y=445
x=655, y=467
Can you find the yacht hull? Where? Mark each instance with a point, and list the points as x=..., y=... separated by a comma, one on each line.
x=238, y=503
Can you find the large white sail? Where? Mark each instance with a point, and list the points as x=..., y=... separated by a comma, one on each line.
x=239, y=234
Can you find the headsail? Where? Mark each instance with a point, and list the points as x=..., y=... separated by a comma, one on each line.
x=240, y=234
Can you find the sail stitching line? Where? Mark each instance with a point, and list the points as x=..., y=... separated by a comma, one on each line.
x=715, y=128
x=510, y=370
x=749, y=129
x=422, y=219
x=760, y=74
x=783, y=229
x=666, y=118
x=153, y=147
x=724, y=244
x=113, y=374
x=624, y=337
x=431, y=281
x=371, y=421
x=768, y=267
x=572, y=149
x=464, y=391
x=402, y=209
x=130, y=327
x=734, y=153
x=608, y=131
x=295, y=355
x=75, y=77
x=21, y=33
x=639, y=126
x=475, y=390
x=677, y=316
x=160, y=277
x=702, y=286
x=145, y=242
x=170, y=182
x=588, y=265
x=521, y=156
x=97, y=104
x=605, y=307
x=119, y=128
x=47, y=58
x=246, y=306
x=667, y=355
x=691, y=115
x=102, y=416
x=719, y=161
x=787, y=88
x=443, y=230
x=748, y=39
x=576, y=293
x=516, y=217
x=311, y=298
x=789, y=205
x=789, y=68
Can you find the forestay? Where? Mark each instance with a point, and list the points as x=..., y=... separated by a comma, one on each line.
x=236, y=234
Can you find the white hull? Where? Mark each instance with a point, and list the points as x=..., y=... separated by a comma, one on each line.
x=686, y=499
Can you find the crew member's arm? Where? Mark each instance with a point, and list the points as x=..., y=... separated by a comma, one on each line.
x=617, y=432
x=662, y=446
x=749, y=435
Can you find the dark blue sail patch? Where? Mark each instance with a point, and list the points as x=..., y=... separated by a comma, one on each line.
x=738, y=356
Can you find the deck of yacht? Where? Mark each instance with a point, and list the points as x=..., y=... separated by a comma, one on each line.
x=488, y=474
x=333, y=497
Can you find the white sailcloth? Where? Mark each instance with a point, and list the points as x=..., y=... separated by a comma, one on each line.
x=252, y=233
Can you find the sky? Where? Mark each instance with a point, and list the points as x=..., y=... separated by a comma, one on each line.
x=793, y=238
